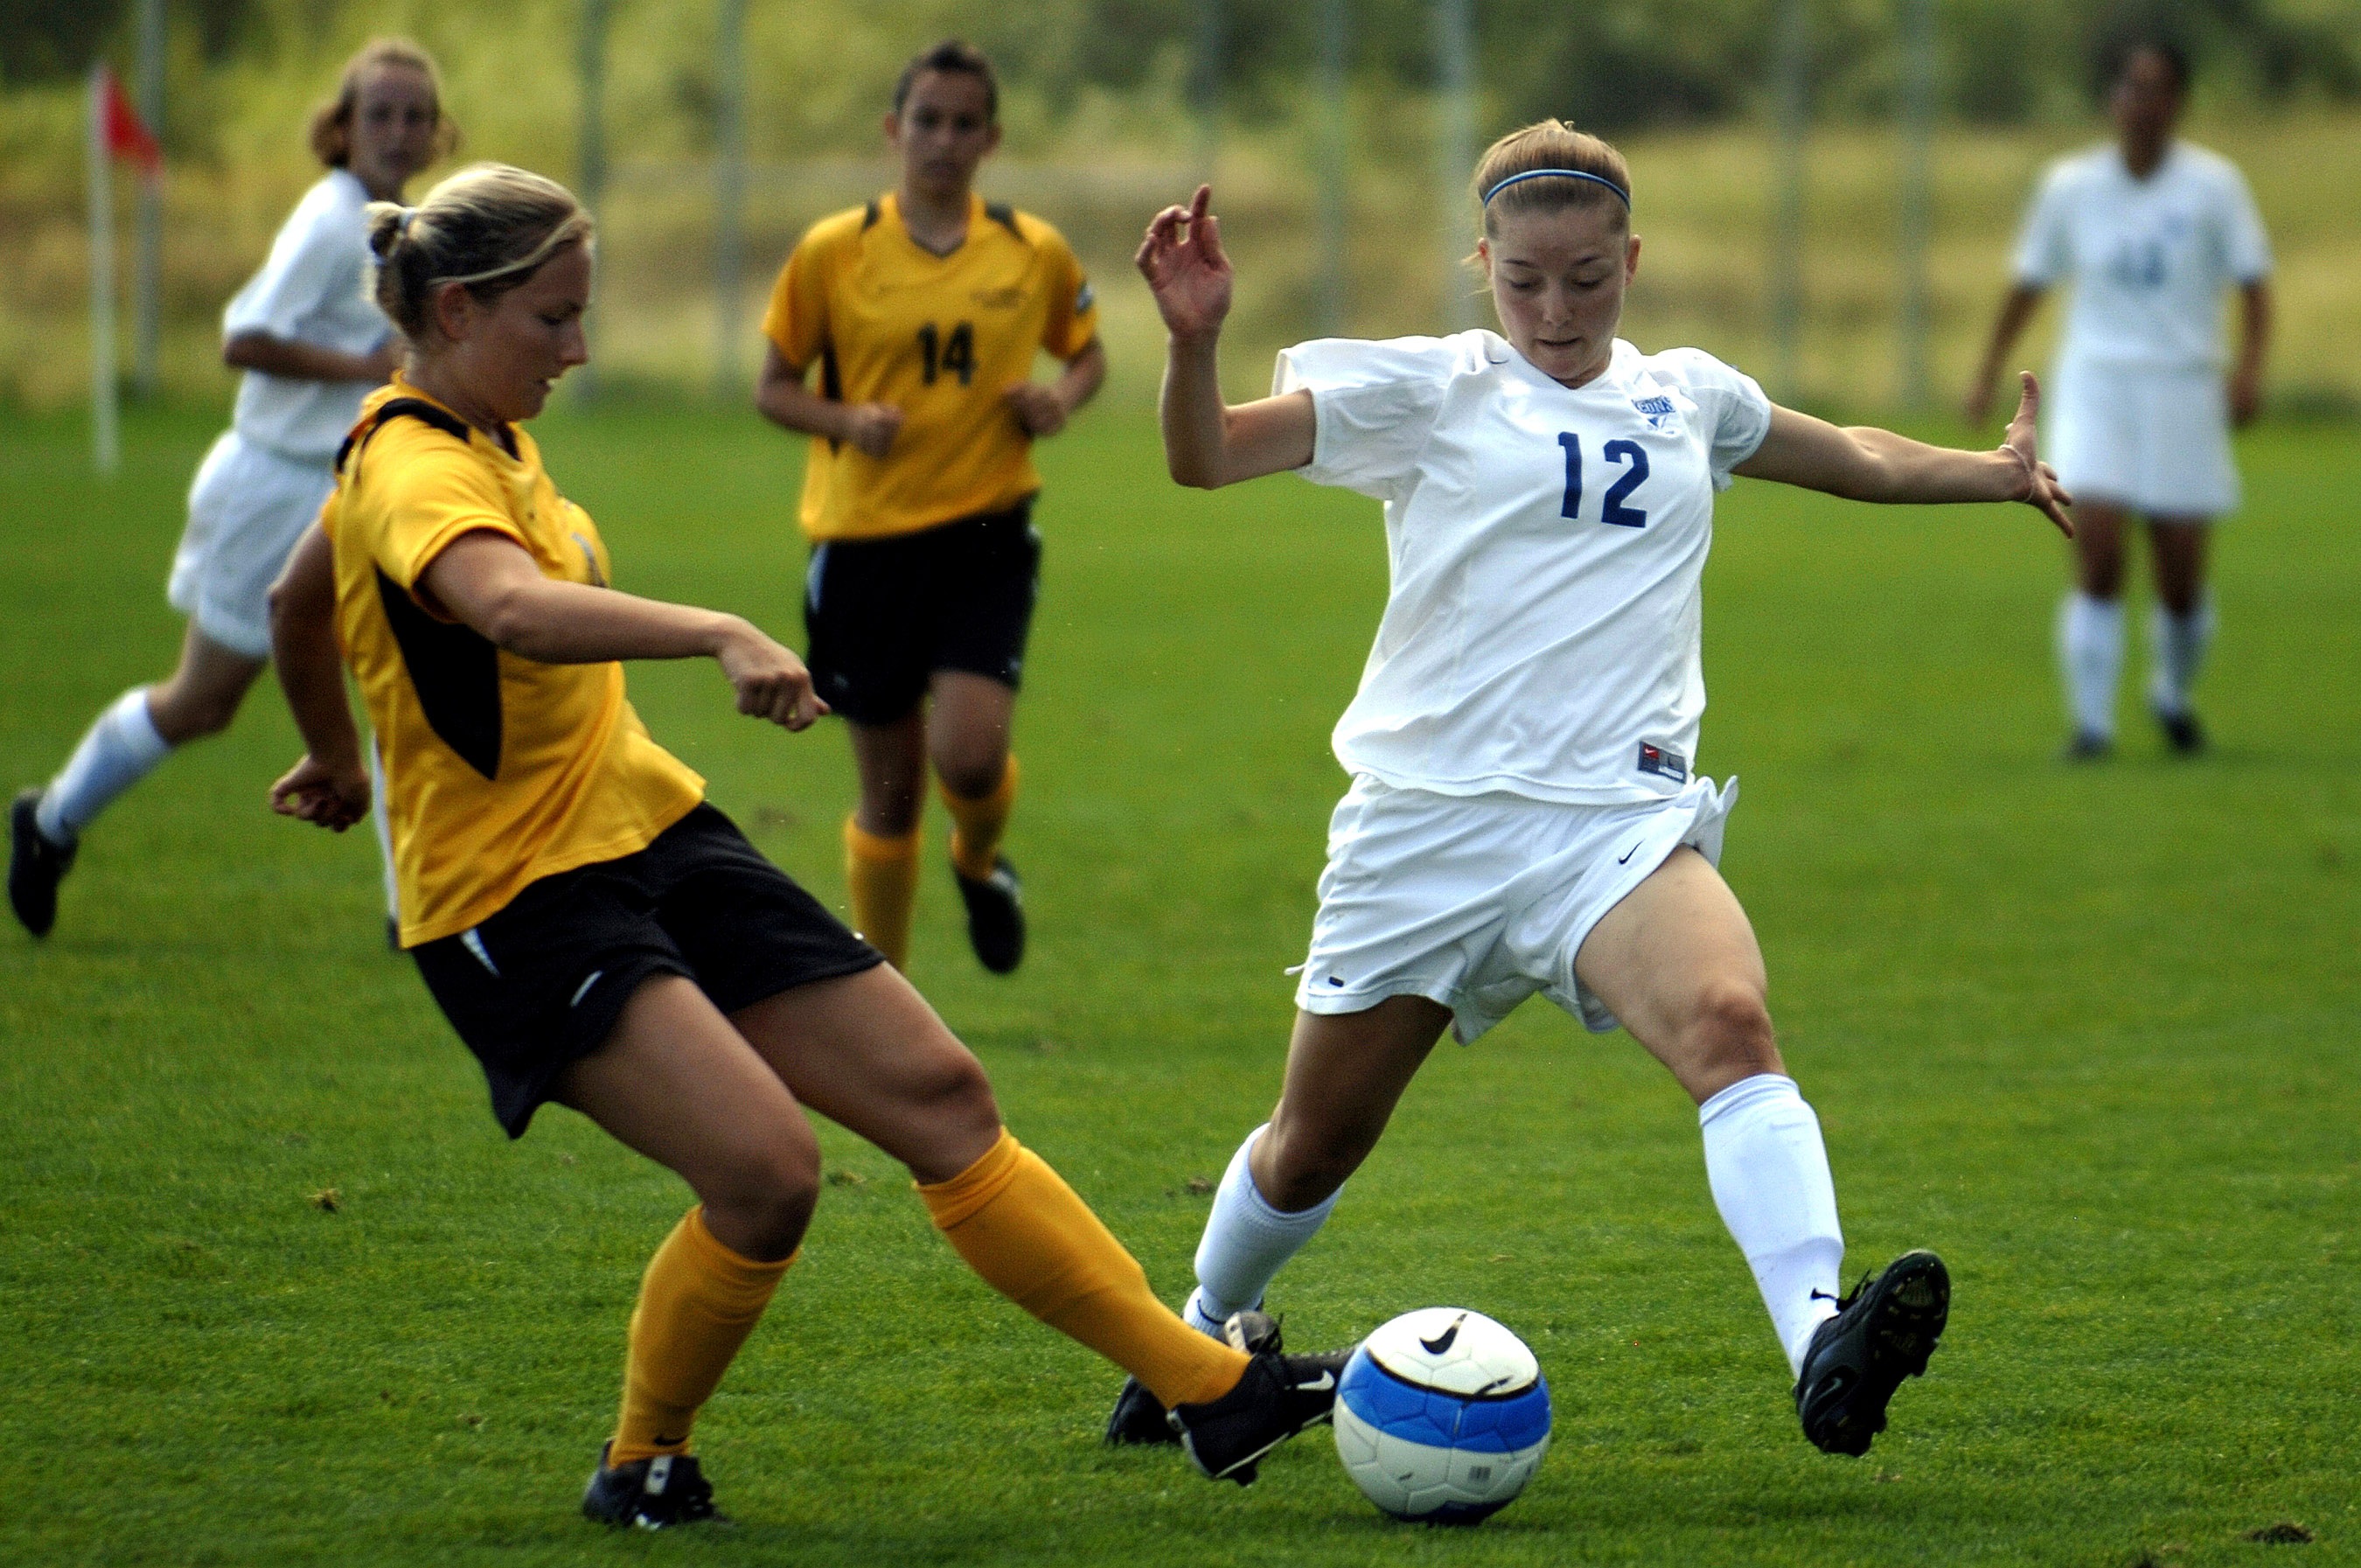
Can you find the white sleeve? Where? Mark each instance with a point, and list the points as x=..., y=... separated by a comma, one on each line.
x=1375, y=404
x=2245, y=249
x=308, y=259
x=1731, y=405
x=2044, y=246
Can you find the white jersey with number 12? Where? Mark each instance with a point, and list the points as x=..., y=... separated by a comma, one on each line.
x=1546, y=546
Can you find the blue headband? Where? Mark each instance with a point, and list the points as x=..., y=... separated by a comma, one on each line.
x=1620, y=194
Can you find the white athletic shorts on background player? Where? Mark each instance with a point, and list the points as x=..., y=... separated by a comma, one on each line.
x=2156, y=441
x=1477, y=902
x=246, y=509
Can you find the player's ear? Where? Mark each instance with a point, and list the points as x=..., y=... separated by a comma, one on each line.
x=1630, y=259
x=892, y=127
x=454, y=311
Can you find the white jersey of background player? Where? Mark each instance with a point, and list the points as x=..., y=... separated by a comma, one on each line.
x=2150, y=231
x=1524, y=815
x=312, y=343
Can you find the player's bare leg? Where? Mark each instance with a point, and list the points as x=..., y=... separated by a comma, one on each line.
x=1677, y=962
x=2091, y=627
x=968, y=725
x=2182, y=627
x=203, y=692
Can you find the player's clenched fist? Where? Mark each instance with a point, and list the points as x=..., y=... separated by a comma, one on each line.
x=1185, y=267
x=872, y=427
x=311, y=791
x=770, y=682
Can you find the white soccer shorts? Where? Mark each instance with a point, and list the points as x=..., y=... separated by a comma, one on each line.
x=248, y=507
x=1477, y=901
x=2155, y=441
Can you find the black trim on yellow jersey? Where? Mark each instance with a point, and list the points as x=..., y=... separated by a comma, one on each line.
x=831, y=384
x=869, y=216
x=1004, y=215
x=419, y=408
x=455, y=672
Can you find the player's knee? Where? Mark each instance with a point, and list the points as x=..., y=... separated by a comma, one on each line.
x=952, y=1091
x=766, y=1197
x=1731, y=1033
x=972, y=770
x=182, y=716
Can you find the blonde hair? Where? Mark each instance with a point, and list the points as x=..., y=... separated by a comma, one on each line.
x=490, y=226
x=1551, y=145
x=332, y=122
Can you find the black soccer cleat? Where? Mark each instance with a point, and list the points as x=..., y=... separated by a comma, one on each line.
x=2088, y=746
x=650, y=1494
x=1279, y=1396
x=2182, y=730
x=1882, y=1334
x=995, y=917
x=1137, y=1418
x=35, y=865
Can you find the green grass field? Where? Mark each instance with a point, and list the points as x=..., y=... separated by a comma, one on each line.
x=2089, y=1031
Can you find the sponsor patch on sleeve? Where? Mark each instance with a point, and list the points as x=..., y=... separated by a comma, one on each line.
x=1664, y=765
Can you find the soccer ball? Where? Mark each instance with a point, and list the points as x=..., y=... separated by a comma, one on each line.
x=1442, y=1416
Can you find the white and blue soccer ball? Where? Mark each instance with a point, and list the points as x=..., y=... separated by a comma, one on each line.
x=1442, y=1416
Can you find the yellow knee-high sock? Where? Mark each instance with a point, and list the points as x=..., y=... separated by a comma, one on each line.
x=980, y=822
x=1032, y=1240
x=698, y=1304
x=882, y=874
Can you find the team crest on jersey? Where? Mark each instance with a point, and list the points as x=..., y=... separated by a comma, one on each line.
x=1658, y=411
x=1664, y=765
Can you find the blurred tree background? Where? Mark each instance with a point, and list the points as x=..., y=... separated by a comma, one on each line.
x=1114, y=106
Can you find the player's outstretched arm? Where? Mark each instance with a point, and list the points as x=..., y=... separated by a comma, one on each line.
x=1208, y=444
x=486, y=581
x=1863, y=463
x=329, y=787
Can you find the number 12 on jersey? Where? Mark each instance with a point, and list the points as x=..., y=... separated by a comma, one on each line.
x=1611, y=509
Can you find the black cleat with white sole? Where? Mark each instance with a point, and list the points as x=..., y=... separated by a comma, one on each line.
x=1279, y=1396
x=35, y=865
x=1137, y=1418
x=650, y=1494
x=995, y=917
x=1882, y=1334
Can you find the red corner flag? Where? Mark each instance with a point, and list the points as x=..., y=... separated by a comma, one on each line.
x=127, y=135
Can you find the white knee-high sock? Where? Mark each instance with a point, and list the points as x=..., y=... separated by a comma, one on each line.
x=1245, y=1243
x=120, y=748
x=1770, y=1178
x=2176, y=645
x=2091, y=657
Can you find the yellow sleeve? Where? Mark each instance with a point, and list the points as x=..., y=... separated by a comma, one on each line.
x=1073, y=318
x=797, y=319
x=431, y=491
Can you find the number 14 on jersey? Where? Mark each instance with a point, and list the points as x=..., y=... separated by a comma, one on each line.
x=1611, y=509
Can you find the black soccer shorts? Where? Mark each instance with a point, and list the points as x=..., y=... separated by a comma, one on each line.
x=885, y=614
x=541, y=984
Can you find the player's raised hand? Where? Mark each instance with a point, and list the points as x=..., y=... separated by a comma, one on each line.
x=1182, y=260
x=2042, y=489
x=312, y=791
x=770, y=682
x=872, y=427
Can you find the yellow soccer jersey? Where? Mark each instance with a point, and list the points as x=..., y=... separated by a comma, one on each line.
x=498, y=771
x=939, y=337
